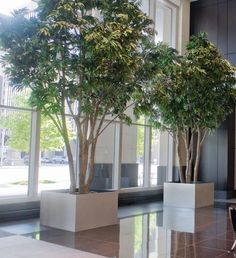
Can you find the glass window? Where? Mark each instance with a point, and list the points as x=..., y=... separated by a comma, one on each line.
x=159, y=157
x=54, y=168
x=15, y=128
x=163, y=24
x=145, y=6
x=7, y=7
x=132, y=156
x=104, y=158
x=10, y=96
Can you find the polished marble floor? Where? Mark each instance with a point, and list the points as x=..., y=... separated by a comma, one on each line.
x=144, y=231
x=24, y=247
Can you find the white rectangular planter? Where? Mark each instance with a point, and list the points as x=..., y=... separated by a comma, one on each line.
x=188, y=195
x=76, y=212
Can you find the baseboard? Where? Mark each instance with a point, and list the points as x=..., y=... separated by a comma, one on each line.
x=140, y=197
x=19, y=211
x=225, y=194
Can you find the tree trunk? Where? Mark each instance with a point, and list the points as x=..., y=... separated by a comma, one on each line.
x=186, y=141
x=178, y=147
x=198, y=155
x=91, y=164
x=190, y=165
x=71, y=168
x=187, y=165
x=83, y=189
x=69, y=154
x=83, y=166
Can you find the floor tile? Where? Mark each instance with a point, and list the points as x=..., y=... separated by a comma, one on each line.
x=4, y=234
x=23, y=247
x=229, y=235
x=197, y=252
x=228, y=255
x=221, y=244
x=141, y=233
x=22, y=228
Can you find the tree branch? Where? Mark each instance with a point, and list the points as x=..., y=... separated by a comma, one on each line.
x=114, y=118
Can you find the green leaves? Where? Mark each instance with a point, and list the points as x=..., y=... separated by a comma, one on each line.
x=193, y=91
x=99, y=56
x=186, y=95
x=19, y=126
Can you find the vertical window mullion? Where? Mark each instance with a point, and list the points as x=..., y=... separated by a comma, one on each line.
x=147, y=156
x=116, y=175
x=34, y=155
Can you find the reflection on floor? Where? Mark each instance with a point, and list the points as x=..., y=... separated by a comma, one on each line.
x=155, y=233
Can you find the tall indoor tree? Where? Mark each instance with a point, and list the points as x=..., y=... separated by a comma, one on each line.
x=189, y=96
x=80, y=59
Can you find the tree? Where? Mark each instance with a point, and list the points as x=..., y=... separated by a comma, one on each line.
x=79, y=58
x=18, y=124
x=189, y=96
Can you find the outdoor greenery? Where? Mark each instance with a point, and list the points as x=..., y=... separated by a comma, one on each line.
x=18, y=125
x=25, y=182
x=79, y=58
x=189, y=96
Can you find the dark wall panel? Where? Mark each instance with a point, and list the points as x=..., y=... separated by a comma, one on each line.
x=218, y=19
x=206, y=18
x=232, y=26
x=208, y=169
x=231, y=151
x=222, y=33
x=232, y=58
x=222, y=157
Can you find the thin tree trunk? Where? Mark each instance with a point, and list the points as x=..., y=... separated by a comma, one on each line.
x=178, y=147
x=189, y=176
x=83, y=166
x=82, y=171
x=186, y=141
x=69, y=155
x=71, y=168
x=198, y=155
x=83, y=157
x=91, y=164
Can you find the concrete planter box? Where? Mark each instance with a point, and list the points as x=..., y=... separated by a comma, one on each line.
x=188, y=195
x=77, y=212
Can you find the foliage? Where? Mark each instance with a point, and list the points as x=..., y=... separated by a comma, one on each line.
x=18, y=124
x=78, y=57
x=189, y=95
x=25, y=182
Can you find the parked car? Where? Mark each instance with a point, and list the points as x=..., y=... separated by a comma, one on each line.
x=26, y=159
x=46, y=160
x=59, y=160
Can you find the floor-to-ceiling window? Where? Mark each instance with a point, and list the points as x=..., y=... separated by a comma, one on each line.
x=134, y=156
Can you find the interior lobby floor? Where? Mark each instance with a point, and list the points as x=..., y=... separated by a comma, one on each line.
x=144, y=231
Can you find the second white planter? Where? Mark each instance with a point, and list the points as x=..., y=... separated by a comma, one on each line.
x=188, y=195
x=78, y=212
